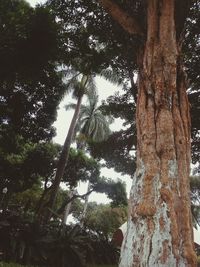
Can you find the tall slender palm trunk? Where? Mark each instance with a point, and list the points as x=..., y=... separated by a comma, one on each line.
x=62, y=162
x=159, y=229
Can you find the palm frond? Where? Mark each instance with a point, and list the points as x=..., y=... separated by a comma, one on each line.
x=70, y=83
x=91, y=123
x=91, y=89
x=70, y=106
x=69, y=72
x=111, y=76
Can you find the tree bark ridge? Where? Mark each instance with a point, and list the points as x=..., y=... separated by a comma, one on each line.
x=128, y=23
x=160, y=229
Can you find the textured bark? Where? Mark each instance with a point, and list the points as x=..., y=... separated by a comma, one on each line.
x=159, y=229
x=128, y=23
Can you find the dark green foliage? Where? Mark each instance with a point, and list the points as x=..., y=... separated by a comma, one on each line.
x=195, y=198
x=29, y=78
x=115, y=151
x=105, y=220
x=191, y=53
x=104, y=253
x=80, y=168
x=29, y=243
x=121, y=105
x=23, y=171
x=115, y=190
x=44, y=158
x=5, y=264
x=191, y=47
x=194, y=98
x=27, y=201
x=66, y=248
x=94, y=41
x=29, y=39
x=24, y=164
x=47, y=246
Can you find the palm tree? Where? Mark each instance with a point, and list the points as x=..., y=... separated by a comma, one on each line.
x=91, y=125
x=80, y=87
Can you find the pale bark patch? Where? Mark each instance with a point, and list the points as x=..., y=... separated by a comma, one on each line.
x=155, y=231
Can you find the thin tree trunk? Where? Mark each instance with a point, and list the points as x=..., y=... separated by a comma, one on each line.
x=68, y=207
x=62, y=161
x=41, y=202
x=159, y=231
x=85, y=206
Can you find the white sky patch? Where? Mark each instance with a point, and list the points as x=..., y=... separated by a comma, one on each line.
x=35, y=2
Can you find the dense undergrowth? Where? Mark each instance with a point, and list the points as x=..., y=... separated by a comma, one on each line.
x=4, y=264
x=30, y=243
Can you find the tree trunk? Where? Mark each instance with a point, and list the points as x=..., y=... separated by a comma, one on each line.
x=62, y=162
x=159, y=231
x=68, y=207
x=85, y=206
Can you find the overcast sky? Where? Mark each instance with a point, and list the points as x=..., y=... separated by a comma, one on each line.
x=34, y=2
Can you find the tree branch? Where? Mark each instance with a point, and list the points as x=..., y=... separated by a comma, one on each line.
x=128, y=23
x=68, y=200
